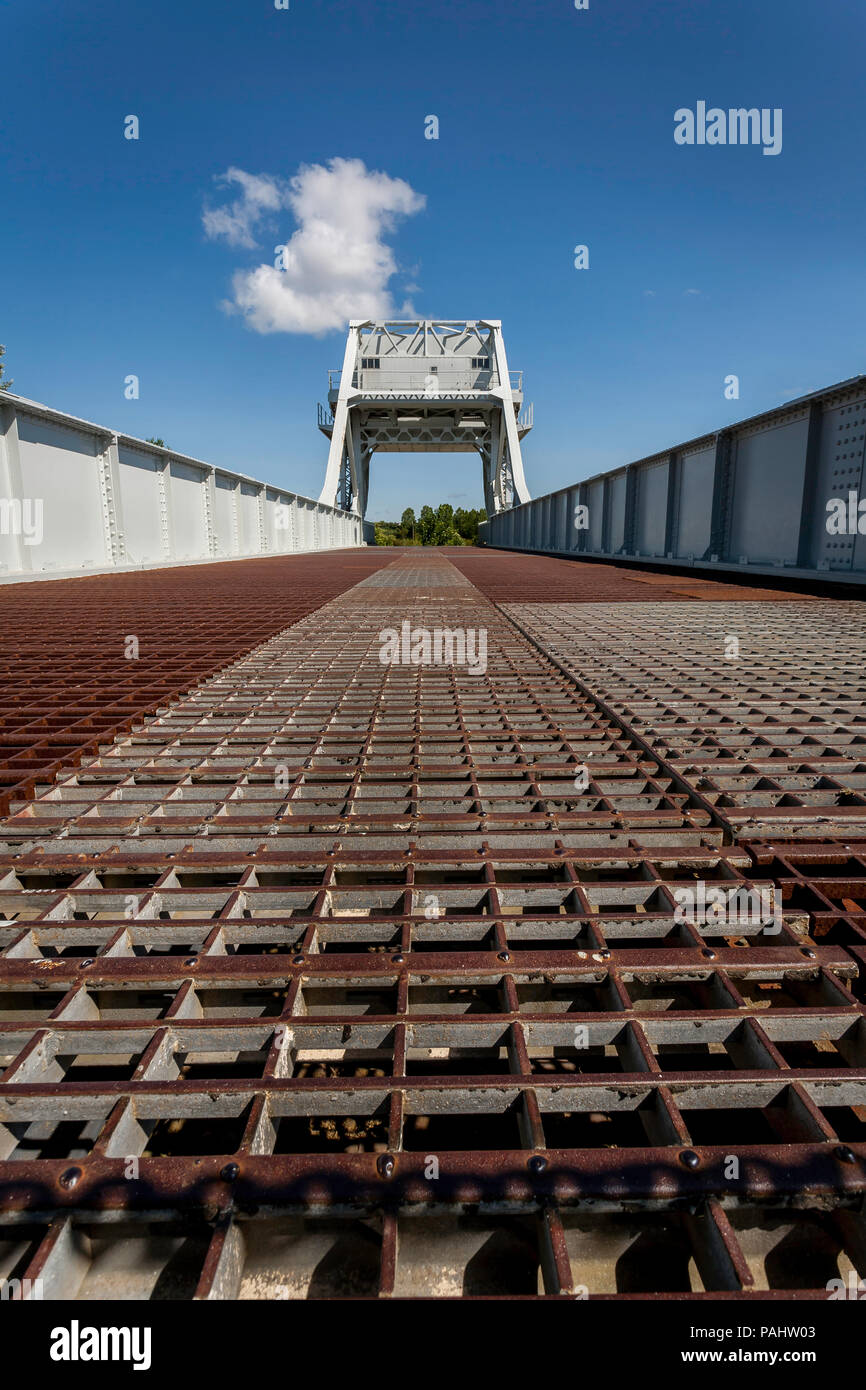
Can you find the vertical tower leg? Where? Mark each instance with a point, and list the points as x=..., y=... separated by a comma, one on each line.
x=333, y=484
x=513, y=457
x=340, y=438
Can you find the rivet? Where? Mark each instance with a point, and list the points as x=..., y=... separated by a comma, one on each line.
x=385, y=1165
x=70, y=1177
x=710, y=955
x=537, y=1163
x=230, y=1172
x=844, y=1154
x=503, y=955
x=399, y=958
x=190, y=961
x=806, y=952
x=689, y=1159
x=85, y=963
x=297, y=960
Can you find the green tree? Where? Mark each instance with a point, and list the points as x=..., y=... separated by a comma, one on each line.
x=466, y=523
x=161, y=442
x=443, y=529
x=444, y=526
x=4, y=385
x=426, y=526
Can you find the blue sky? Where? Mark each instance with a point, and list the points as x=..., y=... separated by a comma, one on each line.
x=556, y=129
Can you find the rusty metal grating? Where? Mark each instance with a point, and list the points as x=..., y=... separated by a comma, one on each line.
x=328, y=980
x=65, y=682
x=526, y=578
x=761, y=707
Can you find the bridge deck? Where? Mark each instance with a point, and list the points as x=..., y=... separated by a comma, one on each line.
x=351, y=978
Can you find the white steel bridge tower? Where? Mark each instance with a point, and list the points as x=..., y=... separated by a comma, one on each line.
x=425, y=386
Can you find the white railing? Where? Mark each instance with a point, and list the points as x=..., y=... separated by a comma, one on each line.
x=77, y=498
x=763, y=495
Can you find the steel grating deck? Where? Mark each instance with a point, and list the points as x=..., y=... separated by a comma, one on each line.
x=62, y=644
x=328, y=979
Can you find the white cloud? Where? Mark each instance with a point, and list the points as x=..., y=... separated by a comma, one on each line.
x=337, y=263
x=259, y=194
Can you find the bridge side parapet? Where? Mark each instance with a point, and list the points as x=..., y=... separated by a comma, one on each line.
x=80, y=498
x=783, y=492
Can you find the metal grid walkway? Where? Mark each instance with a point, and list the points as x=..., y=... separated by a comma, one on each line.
x=66, y=682
x=342, y=978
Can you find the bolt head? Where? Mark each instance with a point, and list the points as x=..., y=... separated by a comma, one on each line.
x=385, y=1165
